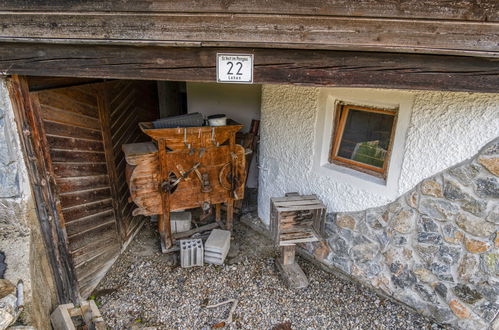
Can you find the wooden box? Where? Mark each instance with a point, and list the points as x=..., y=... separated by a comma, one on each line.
x=297, y=219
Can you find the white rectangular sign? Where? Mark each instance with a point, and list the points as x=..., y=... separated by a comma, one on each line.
x=234, y=68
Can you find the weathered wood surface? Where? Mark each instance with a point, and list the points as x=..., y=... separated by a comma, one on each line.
x=292, y=275
x=277, y=66
x=296, y=219
x=127, y=103
x=145, y=178
x=256, y=30
x=485, y=10
x=194, y=137
x=73, y=130
x=28, y=120
x=42, y=83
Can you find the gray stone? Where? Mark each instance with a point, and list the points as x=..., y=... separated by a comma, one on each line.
x=402, y=277
x=489, y=289
x=465, y=173
x=364, y=252
x=442, y=271
x=371, y=269
x=441, y=290
x=474, y=206
x=382, y=239
x=493, y=215
x=425, y=293
x=412, y=198
x=491, y=150
x=431, y=188
x=426, y=253
x=489, y=263
x=453, y=192
x=487, y=187
x=399, y=240
x=364, y=229
x=437, y=209
x=469, y=324
x=441, y=314
x=394, y=207
x=403, y=221
x=467, y=294
x=449, y=254
x=467, y=267
x=423, y=274
x=451, y=234
x=487, y=310
x=474, y=225
x=429, y=238
x=340, y=262
x=345, y=221
x=374, y=217
x=338, y=246
x=425, y=224
x=413, y=301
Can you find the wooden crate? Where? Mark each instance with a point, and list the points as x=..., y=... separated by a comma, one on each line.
x=297, y=219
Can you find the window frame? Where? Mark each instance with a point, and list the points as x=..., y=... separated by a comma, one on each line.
x=340, y=117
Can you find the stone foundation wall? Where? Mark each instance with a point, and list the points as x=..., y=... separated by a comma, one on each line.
x=436, y=248
x=20, y=237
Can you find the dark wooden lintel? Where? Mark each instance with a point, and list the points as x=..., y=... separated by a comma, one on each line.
x=272, y=66
x=472, y=10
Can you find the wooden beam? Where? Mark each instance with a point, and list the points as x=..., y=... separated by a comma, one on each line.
x=267, y=31
x=272, y=66
x=43, y=185
x=484, y=10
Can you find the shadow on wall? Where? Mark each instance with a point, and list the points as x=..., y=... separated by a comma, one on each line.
x=435, y=248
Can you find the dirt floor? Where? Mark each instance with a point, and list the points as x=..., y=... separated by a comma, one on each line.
x=147, y=289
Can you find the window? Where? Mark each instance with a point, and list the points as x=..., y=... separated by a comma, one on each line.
x=363, y=138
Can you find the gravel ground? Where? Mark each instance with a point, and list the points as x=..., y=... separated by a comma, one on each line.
x=145, y=288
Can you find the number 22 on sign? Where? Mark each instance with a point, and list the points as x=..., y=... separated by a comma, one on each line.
x=235, y=68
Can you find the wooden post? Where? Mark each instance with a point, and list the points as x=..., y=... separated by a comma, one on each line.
x=288, y=254
x=37, y=158
x=230, y=214
x=291, y=273
x=164, y=226
x=218, y=212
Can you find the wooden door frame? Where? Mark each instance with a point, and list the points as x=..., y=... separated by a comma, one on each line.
x=37, y=158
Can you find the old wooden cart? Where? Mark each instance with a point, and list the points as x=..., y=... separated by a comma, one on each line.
x=185, y=168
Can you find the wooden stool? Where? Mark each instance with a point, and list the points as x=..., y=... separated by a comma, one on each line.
x=295, y=219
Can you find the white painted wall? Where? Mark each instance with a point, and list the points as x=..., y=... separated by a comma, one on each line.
x=239, y=102
x=444, y=129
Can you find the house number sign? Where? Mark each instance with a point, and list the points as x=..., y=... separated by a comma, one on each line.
x=234, y=68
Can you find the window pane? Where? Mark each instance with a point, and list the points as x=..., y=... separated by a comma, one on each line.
x=366, y=137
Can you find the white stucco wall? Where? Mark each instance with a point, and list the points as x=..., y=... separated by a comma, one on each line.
x=239, y=102
x=444, y=129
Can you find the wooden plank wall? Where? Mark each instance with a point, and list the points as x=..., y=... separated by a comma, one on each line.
x=453, y=27
x=129, y=102
x=91, y=190
x=73, y=132
x=484, y=10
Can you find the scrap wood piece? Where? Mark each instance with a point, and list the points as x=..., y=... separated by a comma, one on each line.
x=191, y=232
x=228, y=320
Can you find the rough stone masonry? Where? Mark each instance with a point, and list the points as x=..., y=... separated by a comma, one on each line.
x=436, y=248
